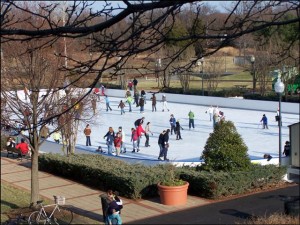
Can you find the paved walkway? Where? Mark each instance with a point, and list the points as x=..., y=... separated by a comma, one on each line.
x=86, y=200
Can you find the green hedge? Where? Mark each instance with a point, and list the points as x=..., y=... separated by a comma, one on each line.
x=136, y=181
x=216, y=184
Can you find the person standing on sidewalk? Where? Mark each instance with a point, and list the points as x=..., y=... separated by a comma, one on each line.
x=191, y=119
x=172, y=124
x=147, y=132
x=164, y=103
x=87, y=131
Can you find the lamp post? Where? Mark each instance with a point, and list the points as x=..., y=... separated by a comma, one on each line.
x=200, y=62
x=279, y=88
x=252, y=60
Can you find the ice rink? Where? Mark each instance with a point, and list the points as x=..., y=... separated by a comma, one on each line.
x=259, y=141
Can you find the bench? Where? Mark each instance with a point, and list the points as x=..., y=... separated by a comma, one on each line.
x=14, y=151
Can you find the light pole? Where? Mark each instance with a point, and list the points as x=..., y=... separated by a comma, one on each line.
x=279, y=88
x=252, y=60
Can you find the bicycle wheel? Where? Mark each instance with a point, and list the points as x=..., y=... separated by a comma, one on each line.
x=62, y=215
x=37, y=218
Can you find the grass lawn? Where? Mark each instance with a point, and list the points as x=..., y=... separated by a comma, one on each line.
x=14, y=200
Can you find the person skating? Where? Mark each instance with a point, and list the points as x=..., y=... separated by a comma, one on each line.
x=147, y=134
x=164, y=103
x=191, y=119
x=107, y=103
x=110, y=137
x=122, y=106
x=118, y=143
x=177, y=130
x=129, y=100
x=141, y=104
x=143, y=94
x=172, y=123
x=264, y=119
x=87, y=132
x=160, y=144
x=136, y=96
x=287, y=149
x=139, y=121
x=139, y=131
x=165, y=146
x=210, y=111
x=134, y=138
x=123, y=144
x=153, y=98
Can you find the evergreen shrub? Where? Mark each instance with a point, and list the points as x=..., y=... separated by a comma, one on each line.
x=225, y=149
x=136, y=181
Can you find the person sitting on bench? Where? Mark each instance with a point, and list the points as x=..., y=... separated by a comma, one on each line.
x=11, y=142
x=23, y=146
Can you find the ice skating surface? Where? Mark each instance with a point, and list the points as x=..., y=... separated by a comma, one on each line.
x=189, y=149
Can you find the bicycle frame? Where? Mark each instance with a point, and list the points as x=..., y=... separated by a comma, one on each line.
x=43, y=212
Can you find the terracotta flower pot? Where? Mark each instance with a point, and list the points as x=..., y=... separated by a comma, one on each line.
x=173, y=195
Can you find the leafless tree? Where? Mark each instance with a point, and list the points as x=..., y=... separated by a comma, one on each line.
x=213, y=70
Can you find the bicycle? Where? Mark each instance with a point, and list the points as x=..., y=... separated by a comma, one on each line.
x=59, y=214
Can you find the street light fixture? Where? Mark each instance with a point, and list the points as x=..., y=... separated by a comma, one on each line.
x=201, y=62
x=252, y=60
x=279, y=88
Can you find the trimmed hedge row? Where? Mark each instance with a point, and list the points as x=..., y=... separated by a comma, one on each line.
x=136, y=181
x=212, y=184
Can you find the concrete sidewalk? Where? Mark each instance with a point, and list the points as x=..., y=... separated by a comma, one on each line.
x=86, y=200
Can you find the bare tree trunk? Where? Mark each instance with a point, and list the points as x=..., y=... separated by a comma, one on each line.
x=34, y=177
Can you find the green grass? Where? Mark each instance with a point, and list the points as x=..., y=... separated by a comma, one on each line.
x=13, y=198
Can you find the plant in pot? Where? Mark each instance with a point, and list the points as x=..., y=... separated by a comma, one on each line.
x=172, y=190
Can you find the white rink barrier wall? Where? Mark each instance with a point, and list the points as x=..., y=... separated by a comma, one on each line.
x=237, y=103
